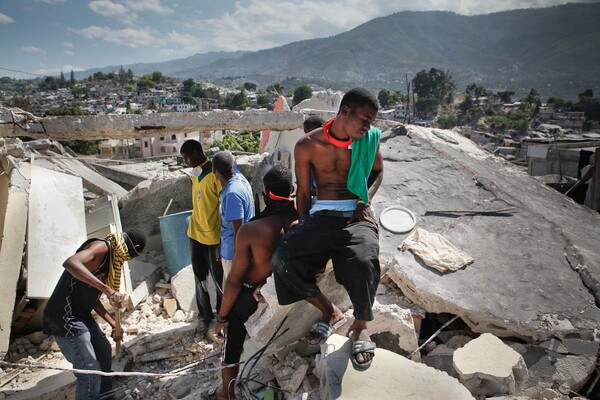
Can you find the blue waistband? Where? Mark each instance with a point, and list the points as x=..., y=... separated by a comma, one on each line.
x=333, y=205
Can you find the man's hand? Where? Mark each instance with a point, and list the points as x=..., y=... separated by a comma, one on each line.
x=117, y=334
x=117, y=300
x=221, y=329
x=363, y=213
x=258, y=295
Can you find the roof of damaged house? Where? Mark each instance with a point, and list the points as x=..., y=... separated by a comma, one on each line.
x=536, y=262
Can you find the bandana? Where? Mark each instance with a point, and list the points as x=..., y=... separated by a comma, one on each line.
x=343, y=143
x=119, y=253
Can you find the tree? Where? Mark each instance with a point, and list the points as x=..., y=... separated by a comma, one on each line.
x=384, y=97
x=277, y=88
x=397, y=97
x=447, y=121
x=585, y=96
x=72, y=80
x=302, y=93
x=506, y=96
x=249, y=86
x=433, y=87
x=475, y=90
x=239, y=101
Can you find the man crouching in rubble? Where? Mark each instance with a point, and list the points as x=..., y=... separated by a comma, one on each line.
x=254, y=246
x=94, y=269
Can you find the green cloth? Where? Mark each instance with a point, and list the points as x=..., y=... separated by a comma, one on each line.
x=363, y=155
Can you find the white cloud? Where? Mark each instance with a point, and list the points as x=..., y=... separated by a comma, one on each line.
x=149, y=5
x=68, y=45
x=129, y=37
x=57, y=70
x=32, y=50
x=52, y=1
x=68, y=52
x=107, y=8
x=5, y=19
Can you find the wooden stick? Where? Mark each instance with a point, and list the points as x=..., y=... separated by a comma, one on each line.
x=434, y=335
x=168, y=206
x=118, y=333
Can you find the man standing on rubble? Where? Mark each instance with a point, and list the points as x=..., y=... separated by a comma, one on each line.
x=348, y=169
x=237, y=205
x=93, y=270
x=255, y=243
x=204, y=230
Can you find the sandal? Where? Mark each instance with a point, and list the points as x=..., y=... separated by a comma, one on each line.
x=322, y=330
x=362, y=346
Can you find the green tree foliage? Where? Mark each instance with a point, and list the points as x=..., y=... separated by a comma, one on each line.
x=66, y=111
x=432, y=88
x=475, y=90
x=447, y=121
x=302, y=93
x=384, y=97
x=276, y=88
x=83, y=147
x=238, y=101
x=245, y=141
x=506, y=96
x=72, y=79
x=263, y=101
x=249, y=86
x=24, y=103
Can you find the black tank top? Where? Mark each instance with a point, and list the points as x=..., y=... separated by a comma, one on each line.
x=72, y=301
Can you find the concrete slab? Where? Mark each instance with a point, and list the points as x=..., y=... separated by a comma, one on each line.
x=56, y=227
x=143, y=278
x=14, y=185
x=488, y=367
x=390, y=376
x=522, y=283
x=183, y=286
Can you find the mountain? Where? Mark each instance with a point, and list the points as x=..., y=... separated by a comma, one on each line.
x=555, y=50
x=179, y=68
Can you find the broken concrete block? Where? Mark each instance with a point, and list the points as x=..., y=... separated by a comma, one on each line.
x=488, y=367
x=556, y=369
x=441, y=358
x=340, y=380
x=393, y=329
x=263, y=323
x=581, y=347
x=291, y=372
x=555, y=345
x=143, y=277
x=179, y=316
x=183, y=286
x=170, y=306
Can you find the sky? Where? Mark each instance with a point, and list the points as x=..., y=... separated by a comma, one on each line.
x=46, y=37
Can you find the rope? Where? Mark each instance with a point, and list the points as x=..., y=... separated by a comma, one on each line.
x=102, y=373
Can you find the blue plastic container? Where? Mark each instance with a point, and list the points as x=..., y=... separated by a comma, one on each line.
x=173, y=231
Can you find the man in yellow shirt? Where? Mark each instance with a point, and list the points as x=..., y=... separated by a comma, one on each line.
x=204, y=229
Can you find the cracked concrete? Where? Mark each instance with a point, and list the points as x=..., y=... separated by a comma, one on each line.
x=521, y=283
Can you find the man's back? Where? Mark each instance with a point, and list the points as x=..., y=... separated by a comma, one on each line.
x=257, y=241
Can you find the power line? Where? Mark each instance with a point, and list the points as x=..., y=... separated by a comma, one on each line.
x=22, y=72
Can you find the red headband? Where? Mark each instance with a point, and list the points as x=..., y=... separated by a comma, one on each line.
x=275, y=197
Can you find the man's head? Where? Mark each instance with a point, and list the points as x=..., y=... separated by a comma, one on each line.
x=357, y=112
x=278, y=180
x=223, y=165
x=312, y=122
x=135, y=239
x=192, y=153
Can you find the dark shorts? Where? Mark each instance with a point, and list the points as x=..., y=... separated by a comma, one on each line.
x=244, y=307
x=305, y=250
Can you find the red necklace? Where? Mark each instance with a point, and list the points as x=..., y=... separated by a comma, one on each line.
x=344, y=143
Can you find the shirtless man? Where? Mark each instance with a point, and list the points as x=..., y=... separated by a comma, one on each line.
x=254, y=246
x=348, y=168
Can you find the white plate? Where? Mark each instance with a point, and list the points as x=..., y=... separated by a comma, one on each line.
x=397, y=219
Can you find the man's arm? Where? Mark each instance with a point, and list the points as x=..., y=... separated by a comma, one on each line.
x=77, y=265
x=233, y=284
x=302, y=159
